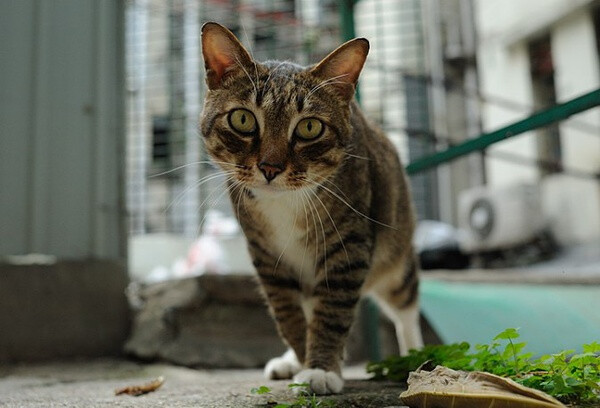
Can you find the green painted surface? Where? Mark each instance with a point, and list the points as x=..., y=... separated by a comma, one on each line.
x=543, y=118
x=550, y=317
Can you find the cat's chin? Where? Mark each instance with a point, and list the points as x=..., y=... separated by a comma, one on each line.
x=273, y=188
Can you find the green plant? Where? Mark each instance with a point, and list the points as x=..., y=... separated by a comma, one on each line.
x=570, y=377
x=304, y=400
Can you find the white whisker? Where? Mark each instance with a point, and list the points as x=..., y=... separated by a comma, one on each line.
x=197, y=184
x=215, y=200
x=194, y=164
x=330, y=81
x=311, y=209
x=357, y=157
x=269, y=77
x=326, y=180
x=247, y=74
x=201, y=223
x=324, y=238
x=352, y=208
x=287, y=242
x=334, y=226
x=307, y=233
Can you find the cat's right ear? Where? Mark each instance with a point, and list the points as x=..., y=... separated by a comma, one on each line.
x=342, y=67
x=223, y=54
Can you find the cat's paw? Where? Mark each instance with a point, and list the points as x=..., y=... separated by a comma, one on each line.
x=320, y=381
x=284, y=367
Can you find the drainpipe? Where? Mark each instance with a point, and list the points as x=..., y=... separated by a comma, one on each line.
x=435, y=53
x=370, y=312
x=472, y=109
x=346, y=10
x=191, y=99
x=137, y=137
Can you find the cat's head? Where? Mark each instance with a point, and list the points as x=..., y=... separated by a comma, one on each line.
x=276, y=125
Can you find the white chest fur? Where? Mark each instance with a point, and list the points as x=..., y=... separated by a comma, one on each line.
x=287, y=214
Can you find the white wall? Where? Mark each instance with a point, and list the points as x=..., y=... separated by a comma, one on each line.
x=504, y=73
x=577, y=72
x=574, y=205
x=505, y=27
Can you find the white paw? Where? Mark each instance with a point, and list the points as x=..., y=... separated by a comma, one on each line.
x=284, y=367
x=320, y=381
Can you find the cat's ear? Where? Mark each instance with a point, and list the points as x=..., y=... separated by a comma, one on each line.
x=223, y=54
x=342, y=67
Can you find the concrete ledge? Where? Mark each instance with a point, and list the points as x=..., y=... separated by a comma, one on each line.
x=221, y=321
x=62, y=310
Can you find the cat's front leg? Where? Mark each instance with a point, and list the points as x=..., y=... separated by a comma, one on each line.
x=335, y=299
x=283, y=296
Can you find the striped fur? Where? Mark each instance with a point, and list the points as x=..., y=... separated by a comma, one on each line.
x=337, y=222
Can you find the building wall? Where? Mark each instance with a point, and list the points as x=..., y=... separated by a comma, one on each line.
x=504, y=73
x=505, y=29
x=61, y=138
x=577, y=72
x=61, y=133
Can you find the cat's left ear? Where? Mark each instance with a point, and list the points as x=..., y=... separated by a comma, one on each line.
x=223, y=54
x=342, y=67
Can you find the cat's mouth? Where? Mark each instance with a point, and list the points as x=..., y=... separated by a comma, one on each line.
x=271, y=187
x=278, y=187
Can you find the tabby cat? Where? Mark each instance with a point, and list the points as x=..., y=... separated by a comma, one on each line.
x=320, y=194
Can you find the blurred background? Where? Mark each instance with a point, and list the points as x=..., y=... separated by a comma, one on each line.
x=105, y=188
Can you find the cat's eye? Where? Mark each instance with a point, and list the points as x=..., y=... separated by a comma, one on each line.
x=309, y=129
x=243, y=121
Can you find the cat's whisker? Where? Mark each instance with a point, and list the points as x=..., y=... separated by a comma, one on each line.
x=252, y=56
x=236, y=188
x=357, y=157
x=335, y=227
x=237, y=60
x=222, y=190
x=241, y=192
x=189, y=188
x=194, y=164
x=250, y=50
x=269, y=77
x=330, y=81
x=322, y=86
x=287, y=242
x=326, y=81
x=257, y=77
x=316, y=236
x=306, y=232
x=352, y=208
x=229, y=184
x=204, y=202
x=322, y=179
x=324, y=238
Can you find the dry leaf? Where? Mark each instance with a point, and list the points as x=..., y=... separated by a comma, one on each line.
x=443, y=387
x=136, y=390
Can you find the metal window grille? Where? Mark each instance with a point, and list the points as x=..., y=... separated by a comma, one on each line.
x=165, y=161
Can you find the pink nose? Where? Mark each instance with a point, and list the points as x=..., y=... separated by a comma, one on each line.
x=270, y=171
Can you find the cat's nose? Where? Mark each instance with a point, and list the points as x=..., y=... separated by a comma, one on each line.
x=270, y=171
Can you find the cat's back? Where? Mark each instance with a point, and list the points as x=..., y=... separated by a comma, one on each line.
x=391, y=203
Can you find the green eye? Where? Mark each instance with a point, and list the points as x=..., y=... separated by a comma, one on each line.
x=242, y=120
x=309, y=128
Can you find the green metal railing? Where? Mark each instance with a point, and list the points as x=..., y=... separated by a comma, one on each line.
x=543, y=118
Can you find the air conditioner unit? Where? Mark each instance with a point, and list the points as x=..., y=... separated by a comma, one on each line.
x=493, y=218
